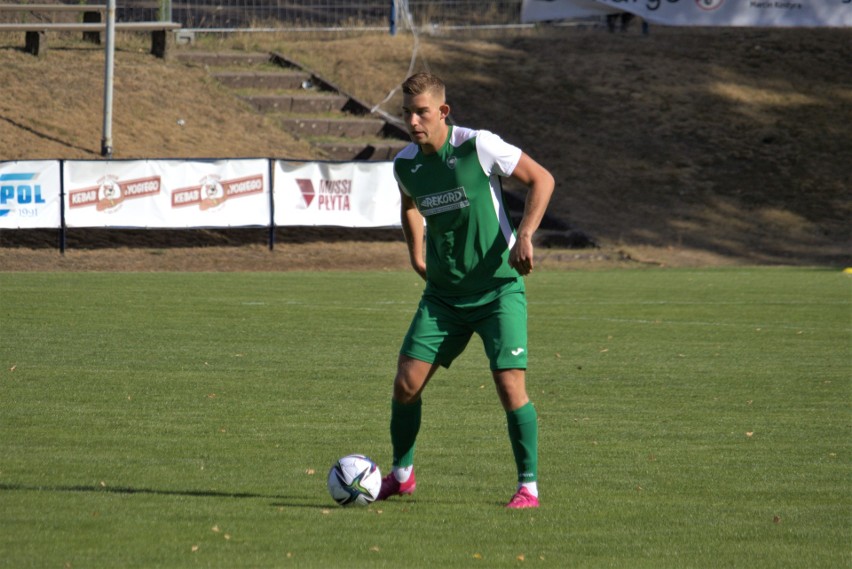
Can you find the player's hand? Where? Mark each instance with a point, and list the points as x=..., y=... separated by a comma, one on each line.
x=521, y=256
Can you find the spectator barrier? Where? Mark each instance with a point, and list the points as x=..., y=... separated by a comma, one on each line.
x=180, y=194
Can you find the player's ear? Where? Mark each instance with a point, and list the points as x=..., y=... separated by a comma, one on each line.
x=445, y=110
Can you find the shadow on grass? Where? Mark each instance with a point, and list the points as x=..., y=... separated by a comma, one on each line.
x=280, y=501
x=48, y=137
x=101, y=239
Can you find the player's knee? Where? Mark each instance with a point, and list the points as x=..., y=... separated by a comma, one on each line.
x=406, y=386
x=511, y=388
x=404, y=390
x=411, y=377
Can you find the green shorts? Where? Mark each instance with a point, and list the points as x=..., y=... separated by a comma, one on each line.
x=442, y=327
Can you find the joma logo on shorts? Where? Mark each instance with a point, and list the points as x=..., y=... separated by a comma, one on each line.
x=443, y=201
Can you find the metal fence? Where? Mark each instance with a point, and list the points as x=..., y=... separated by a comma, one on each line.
x=301, y=15
x=322, y=14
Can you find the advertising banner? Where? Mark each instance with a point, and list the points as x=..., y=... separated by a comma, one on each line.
x=546, y=10
x=728, y=13
x=227, y=193
x=30, y=195
x=167, y=193
x=352, y=194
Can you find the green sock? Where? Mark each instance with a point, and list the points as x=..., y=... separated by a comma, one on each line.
x=404, y=426
x=523, y=434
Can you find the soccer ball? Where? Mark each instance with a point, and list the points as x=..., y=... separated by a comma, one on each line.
x=354, y=479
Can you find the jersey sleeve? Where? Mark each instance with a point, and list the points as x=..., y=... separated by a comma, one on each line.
x=407, y=153
x=399, y=182
x=496, y=156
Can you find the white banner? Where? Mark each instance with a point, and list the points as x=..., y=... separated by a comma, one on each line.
x=729, y=13
x=227, y=193
x=167, y=193
x=545, y=10
x=351, y=194
x=30, y=195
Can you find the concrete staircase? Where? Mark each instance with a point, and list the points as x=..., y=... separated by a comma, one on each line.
x=304, y=104
x=337, y=124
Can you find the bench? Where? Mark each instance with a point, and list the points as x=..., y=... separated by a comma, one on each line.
x=36, y=32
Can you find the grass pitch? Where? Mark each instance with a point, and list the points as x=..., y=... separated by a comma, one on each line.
x=688, y=419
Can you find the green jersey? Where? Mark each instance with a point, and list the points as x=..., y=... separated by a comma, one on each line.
x=458, y=192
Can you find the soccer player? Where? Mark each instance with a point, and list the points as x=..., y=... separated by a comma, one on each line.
x=472, y=260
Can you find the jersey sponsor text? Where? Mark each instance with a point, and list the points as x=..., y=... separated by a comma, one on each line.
x=443, y=201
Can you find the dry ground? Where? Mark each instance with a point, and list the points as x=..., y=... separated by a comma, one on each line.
x=685, y=147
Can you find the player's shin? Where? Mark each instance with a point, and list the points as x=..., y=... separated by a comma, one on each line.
x=404, y=426
x=523, y=434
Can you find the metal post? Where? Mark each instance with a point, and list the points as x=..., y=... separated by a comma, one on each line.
x=63, y=228
x=393, y=17
x=271, y=204
x=106, y=141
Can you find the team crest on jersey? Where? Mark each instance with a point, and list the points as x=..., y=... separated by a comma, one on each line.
x=451, y=162
x=442, y=201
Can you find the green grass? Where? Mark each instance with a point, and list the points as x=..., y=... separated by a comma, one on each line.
x=689, y=418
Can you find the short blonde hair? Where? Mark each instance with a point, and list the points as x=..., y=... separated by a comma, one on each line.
x=420, y=83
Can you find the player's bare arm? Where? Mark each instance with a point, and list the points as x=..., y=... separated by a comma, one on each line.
x=541, y=184
x=412, y=228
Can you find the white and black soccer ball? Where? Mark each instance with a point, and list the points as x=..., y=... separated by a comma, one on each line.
x=354, y=480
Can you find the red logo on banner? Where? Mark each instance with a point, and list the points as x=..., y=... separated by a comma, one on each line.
x=307, y=189
x=213, y=191
x=110, y=192
x=334, y=195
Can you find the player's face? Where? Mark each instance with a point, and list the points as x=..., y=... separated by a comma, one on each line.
x=424, y=116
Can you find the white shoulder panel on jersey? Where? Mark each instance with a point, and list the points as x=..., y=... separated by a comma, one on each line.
x=408, y=152
x=462, y=134
x=495, y=154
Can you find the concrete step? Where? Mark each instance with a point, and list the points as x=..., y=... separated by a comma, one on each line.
x=341, y=127
x=216, y=59
x=306, y=104
x=377, y=151
x=283, y=79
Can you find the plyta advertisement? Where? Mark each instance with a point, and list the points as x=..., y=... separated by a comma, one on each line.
x=351, y=194
x=167, y=193
x=30, y=195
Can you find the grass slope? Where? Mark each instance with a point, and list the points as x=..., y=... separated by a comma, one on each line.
x=688, y=419
x=712, y=144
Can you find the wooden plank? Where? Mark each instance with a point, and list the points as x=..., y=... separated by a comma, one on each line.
x=146, y=26
x=90, y=27
x=53, y=8
x=36, y=33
